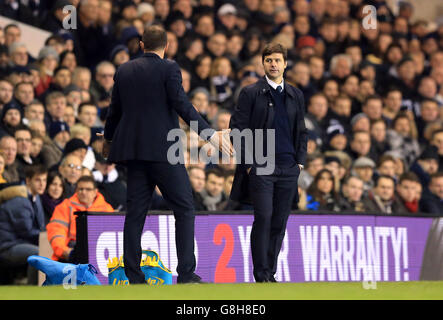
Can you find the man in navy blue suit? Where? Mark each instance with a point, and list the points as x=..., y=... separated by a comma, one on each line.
x=270, y=103
x=147, y=99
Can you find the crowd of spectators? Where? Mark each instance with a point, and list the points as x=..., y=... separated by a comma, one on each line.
x=373, y=97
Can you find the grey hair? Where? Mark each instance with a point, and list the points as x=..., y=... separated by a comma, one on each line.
x=14, y=46
x=337, y=57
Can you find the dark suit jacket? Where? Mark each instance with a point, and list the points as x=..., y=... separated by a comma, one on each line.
x=147, y=99
x=253, y=111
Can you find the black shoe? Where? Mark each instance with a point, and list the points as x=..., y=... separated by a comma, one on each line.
x=271, y=279
x=193, y=279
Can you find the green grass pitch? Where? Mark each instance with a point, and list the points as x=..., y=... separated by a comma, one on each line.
x=414, y=290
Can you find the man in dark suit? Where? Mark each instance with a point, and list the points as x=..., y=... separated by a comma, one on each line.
x=270, y=103
x=147, y=99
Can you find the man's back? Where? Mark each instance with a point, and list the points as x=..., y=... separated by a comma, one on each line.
x=146, y=101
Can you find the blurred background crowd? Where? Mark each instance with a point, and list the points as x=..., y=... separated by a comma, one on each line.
x=373, y=96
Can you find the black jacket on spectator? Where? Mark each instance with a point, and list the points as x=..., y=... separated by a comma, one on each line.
x=20, y=220
x=90, y=45
x=430, y=203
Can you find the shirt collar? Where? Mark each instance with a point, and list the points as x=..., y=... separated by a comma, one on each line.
x=275, y=85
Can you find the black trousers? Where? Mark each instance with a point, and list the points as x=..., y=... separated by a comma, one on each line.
x=174, y=184
x=272, y=197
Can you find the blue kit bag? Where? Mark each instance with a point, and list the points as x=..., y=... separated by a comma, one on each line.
x=58, y=272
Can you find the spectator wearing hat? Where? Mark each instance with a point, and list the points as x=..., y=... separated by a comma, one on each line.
x=10, y=119
x=74, y=146
x=131, y=38
x=48, y=59
x=314, y=142
x=226, y=17
x=363, y=168
x=119, y=55
x=305, y=47
x=360, y=122
x=426, y=165
x=109, y=183
x=52, y=149
x=336, y=138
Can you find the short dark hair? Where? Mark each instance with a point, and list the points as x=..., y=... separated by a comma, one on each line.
x=87, y=179
x=372, y=97
x=384, y=176
x=23, y=83
x=154, y=38
x=34, y=170
x=274, y=48
x=86, y=103
x=216, y=171
x=22, y=127
x=60, y=68
x=408, y=176
x=384, y=158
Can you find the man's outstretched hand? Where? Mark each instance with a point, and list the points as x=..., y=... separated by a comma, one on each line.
x=220, y=139
x=106, y=145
